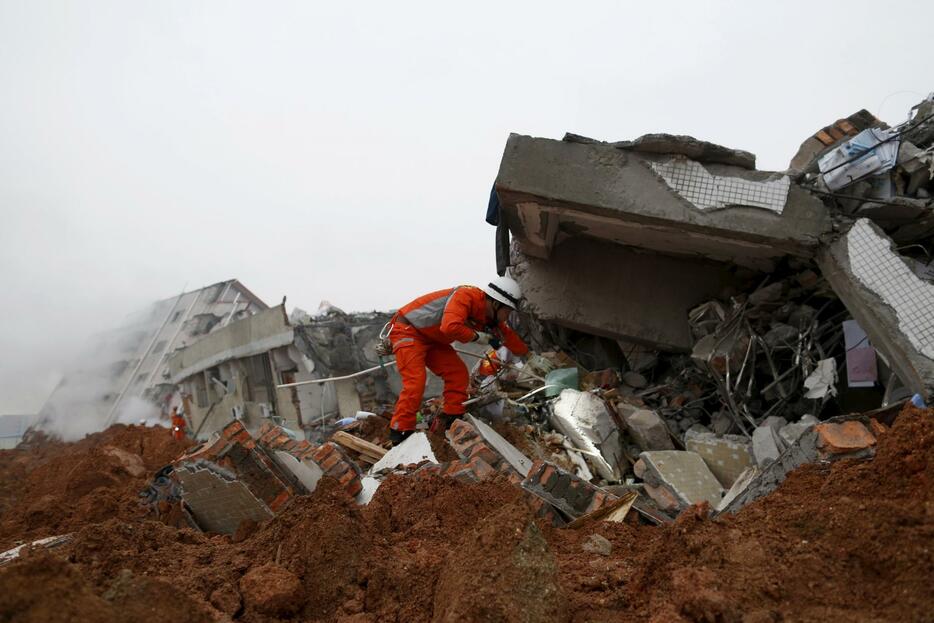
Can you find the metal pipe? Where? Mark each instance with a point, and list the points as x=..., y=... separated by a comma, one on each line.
x=338, y=378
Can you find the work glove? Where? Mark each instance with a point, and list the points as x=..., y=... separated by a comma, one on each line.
x=488, y=338
x=484, y=338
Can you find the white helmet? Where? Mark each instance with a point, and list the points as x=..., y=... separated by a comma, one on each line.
x=505, y=290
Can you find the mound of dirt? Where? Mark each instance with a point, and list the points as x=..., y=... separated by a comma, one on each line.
x=43, y=588
x=505, y=549
x=852, y=540
x=52, y=488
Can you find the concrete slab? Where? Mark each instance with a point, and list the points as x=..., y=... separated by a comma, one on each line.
x=663, y=202
x=415, y=449
x=648, y=429
x=308, y=473
x=791, y=432
x=574, y=288
x=741, y=483
x=767, y=446
x=218, y=501
x=727, y=456
x=770, y=477
x=892, y=304
x=513, y=456
x=683, y=474
x=370, y=485
x=586, y=421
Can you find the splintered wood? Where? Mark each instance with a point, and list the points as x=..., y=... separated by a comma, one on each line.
x=369, y=452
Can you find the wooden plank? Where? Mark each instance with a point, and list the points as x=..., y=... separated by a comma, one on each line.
x=367, y=449
x=625, y=501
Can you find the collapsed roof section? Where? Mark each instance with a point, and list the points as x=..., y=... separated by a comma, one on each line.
x=635, y=195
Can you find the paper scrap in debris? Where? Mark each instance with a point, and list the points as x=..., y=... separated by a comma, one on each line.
x=822, y=382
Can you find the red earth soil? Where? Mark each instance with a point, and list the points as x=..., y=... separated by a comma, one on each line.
x=851, y=541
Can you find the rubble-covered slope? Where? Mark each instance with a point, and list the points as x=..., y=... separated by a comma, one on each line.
x=849, y=541
x=49, y=488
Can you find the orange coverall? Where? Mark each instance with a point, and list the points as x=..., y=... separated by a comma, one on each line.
x=178, y=425
x=421, y=336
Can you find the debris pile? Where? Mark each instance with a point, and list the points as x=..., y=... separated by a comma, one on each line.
x=733, y=428
x=828, y=545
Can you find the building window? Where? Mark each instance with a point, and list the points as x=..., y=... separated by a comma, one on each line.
x=201, y=392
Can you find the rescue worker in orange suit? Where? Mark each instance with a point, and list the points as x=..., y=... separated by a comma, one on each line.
x=178, y=425
x=421, y=336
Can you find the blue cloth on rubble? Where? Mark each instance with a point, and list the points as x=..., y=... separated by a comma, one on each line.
x=492, y=209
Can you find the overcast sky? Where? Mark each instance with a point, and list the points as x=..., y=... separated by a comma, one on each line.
x=345, y=151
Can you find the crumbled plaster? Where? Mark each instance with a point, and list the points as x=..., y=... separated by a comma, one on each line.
x=706, y=191
x=882, y=271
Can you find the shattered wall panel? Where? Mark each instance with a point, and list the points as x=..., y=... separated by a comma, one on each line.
x=218, y=501
x=879, y=269
x=710, y=192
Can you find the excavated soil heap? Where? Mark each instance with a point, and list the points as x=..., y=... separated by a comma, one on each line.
x=51, y=488
x=847, y=541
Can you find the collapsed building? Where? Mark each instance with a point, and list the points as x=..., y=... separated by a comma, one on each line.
x=702, y=329
x=129, y=363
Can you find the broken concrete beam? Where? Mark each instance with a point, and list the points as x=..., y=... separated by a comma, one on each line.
x=677, y=479
x=892, y=304
x=727, y=456
x=662, y=202
x=767, y=445
x=585, y=419
x=739, y=485
x=414, y=450
x=790, y=432
x=565, y=491
x=334, y=461
x=701, y=151
x=647, y=429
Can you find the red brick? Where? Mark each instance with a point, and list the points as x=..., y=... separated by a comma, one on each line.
x=484, y=452
x=331, y=459
x=348, y=477
x=548, y=476
x=453, y=467
x=824, y=138
x=851, y=436
x=279, y=500
x=481, y=469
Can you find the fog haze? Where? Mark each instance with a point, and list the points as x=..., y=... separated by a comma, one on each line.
x=346, y=151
